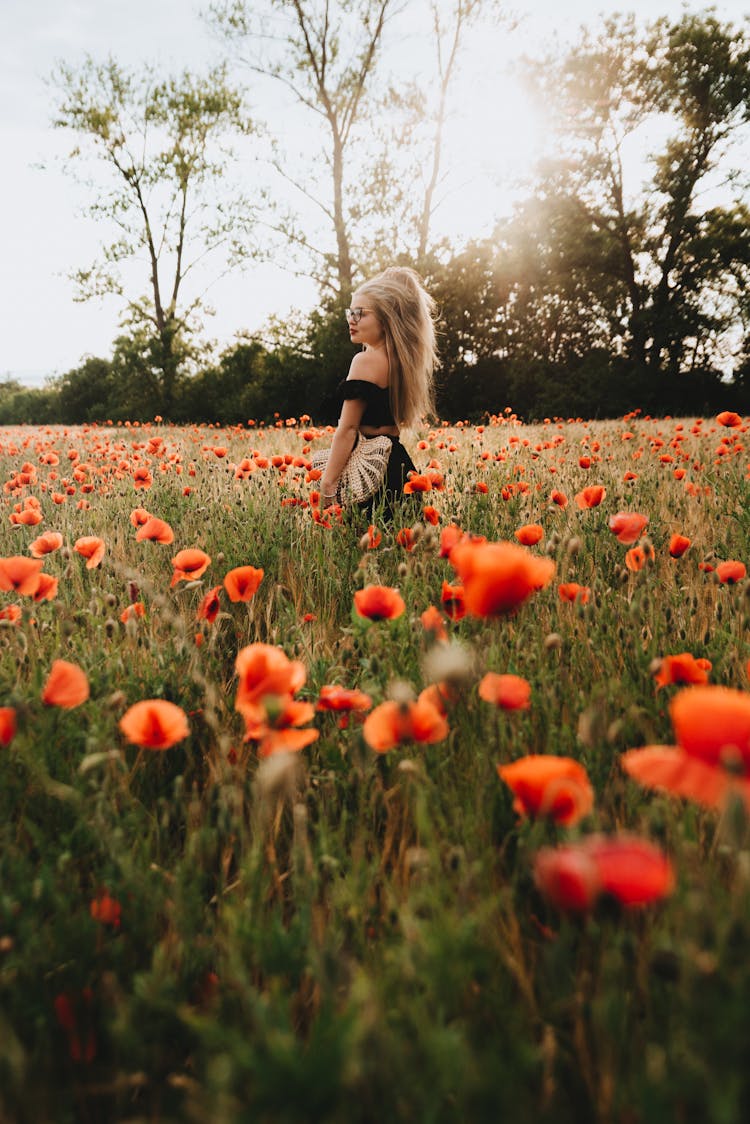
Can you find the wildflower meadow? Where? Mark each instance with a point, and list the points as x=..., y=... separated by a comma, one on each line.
x=306, y=818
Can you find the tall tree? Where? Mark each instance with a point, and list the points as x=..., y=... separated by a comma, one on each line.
x=324, y=55
x=669, y=263
x=157, y=151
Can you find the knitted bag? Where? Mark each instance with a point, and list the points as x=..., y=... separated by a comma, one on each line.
x=364, y=472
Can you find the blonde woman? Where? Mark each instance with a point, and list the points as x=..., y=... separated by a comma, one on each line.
x=390, y=381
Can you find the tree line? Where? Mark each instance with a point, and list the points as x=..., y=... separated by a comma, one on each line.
x=597, y=295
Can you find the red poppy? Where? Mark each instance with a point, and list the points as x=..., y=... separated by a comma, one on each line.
x=379, y=603
x=530, y=534
x=712, y=755
x=208, y=610
x=139, y=516
x=242, y=583
x=91, y=548
x=11, y=613
x=45, y=544
x=453, y=601
x=130, y=612
x=498, y=577
x=591, y=496
x=46, y=589
x=393, y=723
x=559, y=498
x=731, y=572
x=417, y=483
x=374, y=537
x=555, y=787
x=678, y=544
x=632, y=871
x=433, y=622
x=431, y=515
x=155, y=530
x=19, y=574
x=189, y=565
x=266, y=670
x=572, y=591
x=333, y=697
x=7, y=725
x=682, y=668
x=637, y=557
x=628, y=526
x=405, y=538
x=154, y=724
x=66, y=686
x=106, y=910
x=509, y=692
x=729, y=419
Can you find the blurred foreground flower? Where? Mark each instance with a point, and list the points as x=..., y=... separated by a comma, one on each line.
x=632, y=871
x=627, y=526
x=682, y=668
x=712, y=755
x=7, y=725
x=379, y=603
x=508, y=692
x=544, y=785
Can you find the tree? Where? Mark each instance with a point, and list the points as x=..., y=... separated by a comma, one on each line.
x=163, y=146
x=674, y=272
x=325, y=57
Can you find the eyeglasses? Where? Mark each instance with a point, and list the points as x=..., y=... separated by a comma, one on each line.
x=354, y=315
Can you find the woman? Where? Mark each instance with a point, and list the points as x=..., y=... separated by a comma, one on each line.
x=389, y=384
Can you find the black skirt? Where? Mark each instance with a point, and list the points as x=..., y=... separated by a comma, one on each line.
x=382, y=504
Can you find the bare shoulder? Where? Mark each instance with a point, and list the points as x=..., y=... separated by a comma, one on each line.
x=370, y=366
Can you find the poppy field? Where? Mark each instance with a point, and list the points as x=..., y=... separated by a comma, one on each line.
x=307, y=818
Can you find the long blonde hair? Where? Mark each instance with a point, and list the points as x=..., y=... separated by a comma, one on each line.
x=406, y=313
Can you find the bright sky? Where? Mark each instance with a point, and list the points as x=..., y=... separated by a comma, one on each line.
x=43, y=331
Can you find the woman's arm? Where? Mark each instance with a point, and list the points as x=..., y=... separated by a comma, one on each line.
x=342, y=445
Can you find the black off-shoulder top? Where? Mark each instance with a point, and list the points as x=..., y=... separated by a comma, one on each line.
x=377, y=404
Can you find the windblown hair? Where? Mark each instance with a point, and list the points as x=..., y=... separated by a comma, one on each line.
x=406, y=313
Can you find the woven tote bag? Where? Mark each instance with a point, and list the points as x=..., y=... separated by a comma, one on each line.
x=364, y=472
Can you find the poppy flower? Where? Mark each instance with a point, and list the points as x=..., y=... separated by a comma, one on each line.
x=637, y=557
x=208, y=610
x=142, y=478
x=265, y=670
x=7, y=725
x=712, y=755
x=189, y=565
x=11, y=613
x=393, y=723
x=130, y=612
x=333, y=697
x=46, y=589
x=139, y=516
x=106, y=910
x=379, y=603
x=373, y=537
x=19, y=574
x=417, y=483
x=591, y=496
x=729, y=418
x=572, y=591
x=45, y=544
x=433, y=622
x=242, y=583
x=66, y=686
x=498, y=577
x=91, y=548
x=559, y=498
x=682, y=668
x=628, y=526
x=631, y=870
x=678, y=544
x=453, y=602
x=509, y=692
x=405, y=538
x=555, y=787
x=276, y=728
x=154, y=724
x=730, y=572
x=530, y=534
x=155, y=530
